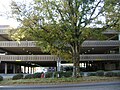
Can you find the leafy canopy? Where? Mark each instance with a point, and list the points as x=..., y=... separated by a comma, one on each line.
x=61, y=26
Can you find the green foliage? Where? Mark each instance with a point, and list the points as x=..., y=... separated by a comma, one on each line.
x=112, y=8
x=91, y=74
x=61, y=26
x=109, y=74
x=68, y=74
x=1, y=78
x=18, y=76
x=68, y=68
x=100, y=73
x=59, y=74
x=57, y=25
x=37, y=75
x=29, y=76
x=118, y=74
x=81, y=73
x=63, y=74
x=112, y=74
x=49, y=74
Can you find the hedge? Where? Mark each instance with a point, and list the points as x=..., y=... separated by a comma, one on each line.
x=58, y=74
x=37, y=75
x=49, y=74
x=100, y=73
x=1, y=78
x=63, y=74
x=18, y=76
x=112, y=74
x=91, y=74
x=29, y=76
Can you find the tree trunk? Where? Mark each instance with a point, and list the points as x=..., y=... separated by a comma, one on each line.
x=76, y=66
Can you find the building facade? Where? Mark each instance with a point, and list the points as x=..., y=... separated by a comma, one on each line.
x=95, y=54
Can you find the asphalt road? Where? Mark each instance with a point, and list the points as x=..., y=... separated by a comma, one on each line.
x=88, y=86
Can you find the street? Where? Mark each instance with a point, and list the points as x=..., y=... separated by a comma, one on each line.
x=88, y=86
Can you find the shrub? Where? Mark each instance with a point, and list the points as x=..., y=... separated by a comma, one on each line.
x=91, y=74
x=29, y=76
x=59, y=74
x=37, y=75
x=63, y=74
x=100, y=73
x=118, y=74
x=1, y=78
x=68, y=74
x=68, y=68
x=109, y=74
x=81, y=74
x=112, y=74
x=18, y=76
x=49, y=74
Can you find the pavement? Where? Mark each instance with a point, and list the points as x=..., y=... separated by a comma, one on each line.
x=65, y=85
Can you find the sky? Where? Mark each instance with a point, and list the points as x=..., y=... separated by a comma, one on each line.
x=4, y=9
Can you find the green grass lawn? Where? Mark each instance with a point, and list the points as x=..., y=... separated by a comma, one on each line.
x=42, y=81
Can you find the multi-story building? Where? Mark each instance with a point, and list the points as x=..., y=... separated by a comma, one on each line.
x=95, y=55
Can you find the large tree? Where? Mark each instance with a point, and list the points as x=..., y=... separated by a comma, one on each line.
x=112, y=14
x=61, y=26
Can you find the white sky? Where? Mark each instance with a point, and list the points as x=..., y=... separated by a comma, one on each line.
x=5, y=8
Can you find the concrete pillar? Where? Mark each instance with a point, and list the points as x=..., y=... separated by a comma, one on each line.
x=33, y=69
x=73, y=71
x=14, y=68
x=84, y=65
x=24, y=69
x=58, y=65
x=5, y=68
x=119, y=36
